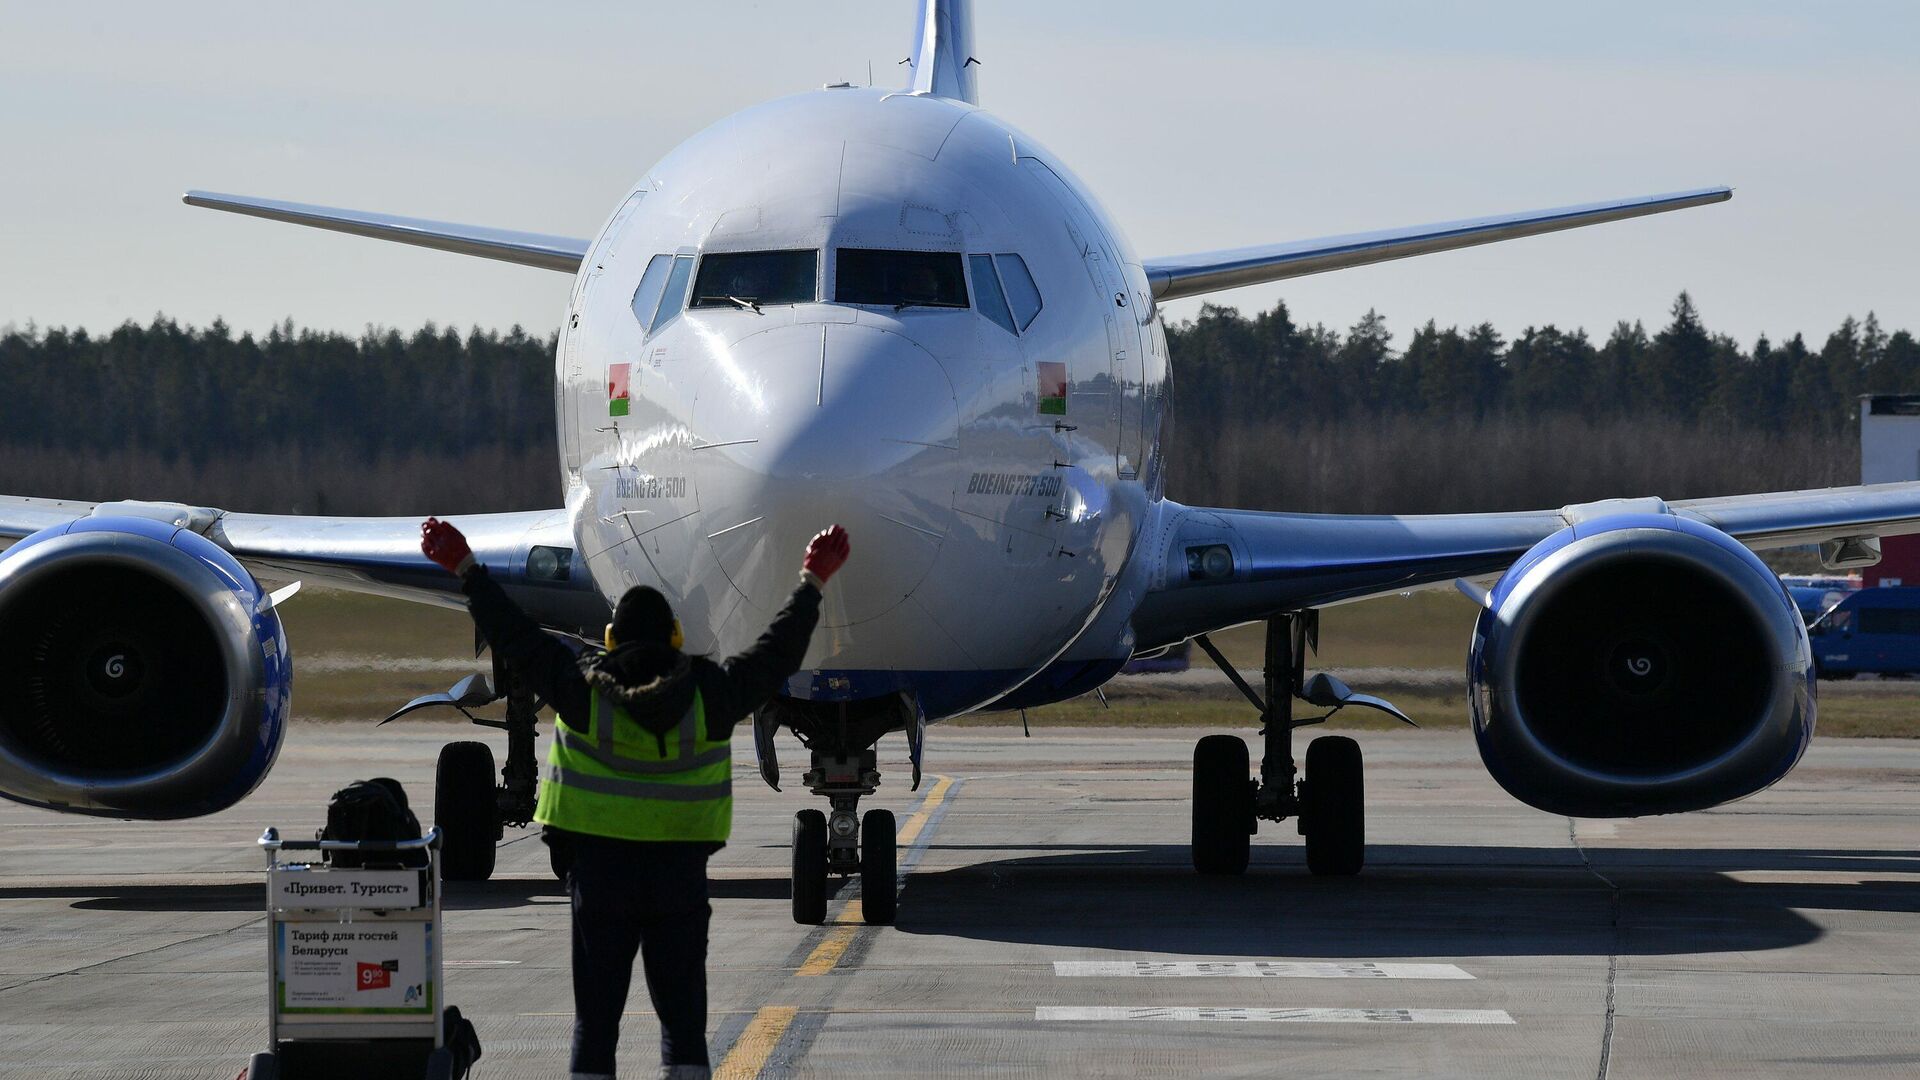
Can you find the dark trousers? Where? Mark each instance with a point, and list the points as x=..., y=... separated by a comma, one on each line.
x=629, y=897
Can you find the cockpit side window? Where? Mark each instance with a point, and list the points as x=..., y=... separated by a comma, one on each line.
x=653, y=283
x=986, y=292
x=900, y=279
x=674, y=297
x=756, y=278
x=1022, y=294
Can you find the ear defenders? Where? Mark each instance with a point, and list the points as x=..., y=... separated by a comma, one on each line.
x=678, y=640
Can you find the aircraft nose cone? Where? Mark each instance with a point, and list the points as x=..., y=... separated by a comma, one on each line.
x=808, y=425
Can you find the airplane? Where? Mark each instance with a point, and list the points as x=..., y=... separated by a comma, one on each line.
x=893, y=310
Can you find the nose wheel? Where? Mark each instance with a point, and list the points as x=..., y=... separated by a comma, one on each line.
x=809, y=867
x=843, y=844
x=879, y=899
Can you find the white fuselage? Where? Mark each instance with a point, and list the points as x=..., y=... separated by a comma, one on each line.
x=992, y=521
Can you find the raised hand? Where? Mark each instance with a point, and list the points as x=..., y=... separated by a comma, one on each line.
x=826, y=553
x=444, y=544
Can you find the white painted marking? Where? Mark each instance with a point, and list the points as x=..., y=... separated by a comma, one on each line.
x=1256, y=969
x=1275, y=1016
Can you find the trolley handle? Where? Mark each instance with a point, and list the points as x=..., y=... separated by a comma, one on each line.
x=270, y=840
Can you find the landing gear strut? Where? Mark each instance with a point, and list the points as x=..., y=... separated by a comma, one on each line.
x=840, y=842
x=843, y=844
x=1327, y=803
x=471, y=810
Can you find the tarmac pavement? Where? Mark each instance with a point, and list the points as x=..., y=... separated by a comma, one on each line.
x=1050, y=925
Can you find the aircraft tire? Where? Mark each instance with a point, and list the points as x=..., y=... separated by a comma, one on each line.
x=1222, y=805
x=879, y=895
x=465, y=809
x=810, y=868
x=1333, y=807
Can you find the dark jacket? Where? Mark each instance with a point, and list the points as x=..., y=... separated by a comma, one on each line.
x=654, y=682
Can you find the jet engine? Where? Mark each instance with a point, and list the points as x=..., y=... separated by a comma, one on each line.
x=1639, y=664
x=143, y=672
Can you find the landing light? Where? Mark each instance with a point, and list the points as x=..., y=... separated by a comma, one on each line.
x=1210, y=563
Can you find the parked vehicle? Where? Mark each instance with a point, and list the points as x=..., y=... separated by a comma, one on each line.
x=1814, y=601
x=1871, y=631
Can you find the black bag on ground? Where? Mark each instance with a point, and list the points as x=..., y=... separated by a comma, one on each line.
x=373, y=809
x=462, y=1041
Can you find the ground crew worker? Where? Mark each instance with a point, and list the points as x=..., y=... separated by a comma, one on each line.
x=637, y=791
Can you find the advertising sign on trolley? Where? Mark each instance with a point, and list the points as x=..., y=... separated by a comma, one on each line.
x=355, y=968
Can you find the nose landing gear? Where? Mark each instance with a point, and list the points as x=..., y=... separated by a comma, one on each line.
x=843, y=844
x=1328, y=803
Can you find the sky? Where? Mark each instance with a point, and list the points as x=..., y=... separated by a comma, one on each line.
x=1213, y=123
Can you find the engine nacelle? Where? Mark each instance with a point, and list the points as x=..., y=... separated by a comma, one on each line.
x=143, y=672
x=1639, y=664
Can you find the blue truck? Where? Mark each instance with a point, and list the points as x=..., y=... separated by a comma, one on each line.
x=1873, y=631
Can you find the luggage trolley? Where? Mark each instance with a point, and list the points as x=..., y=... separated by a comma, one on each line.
x=354, y=966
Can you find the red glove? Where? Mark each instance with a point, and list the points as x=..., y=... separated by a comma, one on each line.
x=443, y=543
x=826, y=553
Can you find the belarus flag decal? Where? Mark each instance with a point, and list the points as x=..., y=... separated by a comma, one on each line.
x=1053, y=387
x=618, y=397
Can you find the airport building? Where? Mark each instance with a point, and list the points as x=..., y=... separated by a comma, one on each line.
x=1890, y=452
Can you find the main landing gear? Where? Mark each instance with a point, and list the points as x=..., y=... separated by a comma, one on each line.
x=471, y=808
x=840, y=842
x=1328, y=803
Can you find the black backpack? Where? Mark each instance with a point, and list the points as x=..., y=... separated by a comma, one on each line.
x=373, y=809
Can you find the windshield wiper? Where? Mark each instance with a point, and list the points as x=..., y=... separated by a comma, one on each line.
x=746, y=305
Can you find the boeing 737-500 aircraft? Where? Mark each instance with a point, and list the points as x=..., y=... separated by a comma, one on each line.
x=893, y=310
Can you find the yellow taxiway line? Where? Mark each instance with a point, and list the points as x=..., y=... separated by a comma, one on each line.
x=756, y=1044
x=763, y=1033
x=911, y=830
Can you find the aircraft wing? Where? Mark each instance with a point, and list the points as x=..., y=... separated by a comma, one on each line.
x=530, y=553
x=1179, y=276
x=1284, y=562
x=528, y=249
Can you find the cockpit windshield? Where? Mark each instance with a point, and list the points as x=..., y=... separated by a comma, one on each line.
x=756, y=279
x=900, y=279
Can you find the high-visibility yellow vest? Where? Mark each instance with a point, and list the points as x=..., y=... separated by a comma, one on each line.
x=615, y=778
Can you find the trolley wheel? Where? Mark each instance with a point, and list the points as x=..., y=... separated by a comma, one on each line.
x=263, y=1066
x=879, y=898
x=465, y=809
x=1223, y=820
x=1333, y=807
x=810, y=867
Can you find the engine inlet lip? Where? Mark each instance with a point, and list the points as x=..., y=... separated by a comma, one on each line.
x=1788, y=689
x=218, y=600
